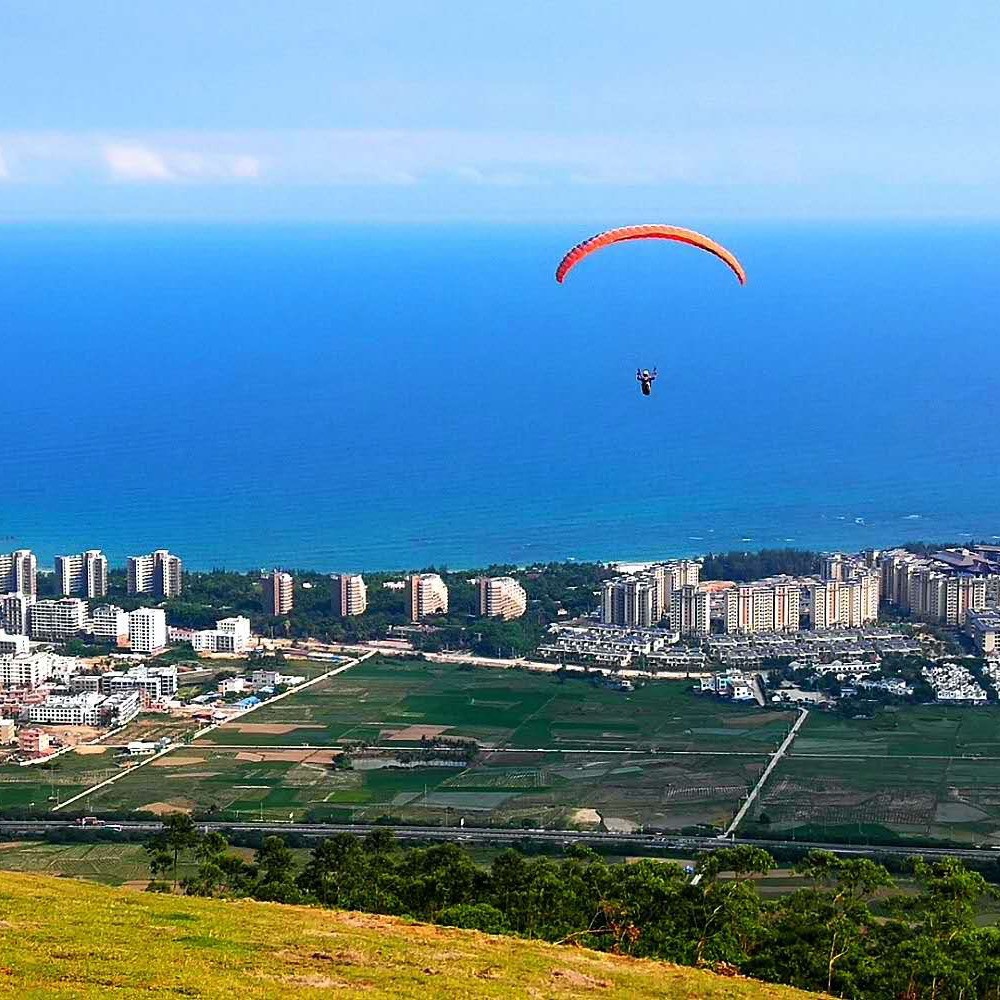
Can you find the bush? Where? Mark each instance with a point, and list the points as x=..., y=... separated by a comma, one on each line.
x=474, y=917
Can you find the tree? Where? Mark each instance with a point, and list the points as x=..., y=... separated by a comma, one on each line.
x=178, y=834
x=274, y=872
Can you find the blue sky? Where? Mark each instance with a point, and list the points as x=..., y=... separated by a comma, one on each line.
x=518, y=110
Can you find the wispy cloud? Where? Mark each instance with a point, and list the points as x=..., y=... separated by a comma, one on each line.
x=4, y=172
x=138, y=162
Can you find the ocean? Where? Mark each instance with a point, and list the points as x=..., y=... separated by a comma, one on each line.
x=347, y=397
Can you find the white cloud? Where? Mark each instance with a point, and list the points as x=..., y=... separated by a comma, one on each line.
x=140, y=162
x=136, y=163
x=4, y=172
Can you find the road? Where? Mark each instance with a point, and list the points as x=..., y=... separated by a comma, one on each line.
x=771, y=765
x=11, y=829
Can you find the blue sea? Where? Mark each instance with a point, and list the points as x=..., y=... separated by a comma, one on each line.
x=336, y=397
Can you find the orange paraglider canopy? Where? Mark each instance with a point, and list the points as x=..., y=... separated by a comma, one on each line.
x=653, y=232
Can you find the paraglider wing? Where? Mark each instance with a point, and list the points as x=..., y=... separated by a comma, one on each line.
x=654, y=232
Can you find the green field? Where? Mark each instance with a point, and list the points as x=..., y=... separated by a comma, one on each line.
x=912, y=730
x=41, y=786
x=379, y=700
x=919, y=773
x=621, y=791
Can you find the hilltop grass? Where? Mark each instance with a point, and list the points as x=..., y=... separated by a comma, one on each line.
x=69, y=939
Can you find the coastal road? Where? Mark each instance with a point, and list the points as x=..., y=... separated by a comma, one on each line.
x=638, y=842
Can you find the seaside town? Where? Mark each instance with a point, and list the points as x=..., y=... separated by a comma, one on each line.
x=875, y=625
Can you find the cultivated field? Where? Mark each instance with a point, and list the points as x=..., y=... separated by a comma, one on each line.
x=923, y=773
x=395, y=702
x=588, y=791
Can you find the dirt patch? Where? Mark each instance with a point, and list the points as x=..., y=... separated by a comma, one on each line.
x=416, y=733
x=571, y=977
x=615, y=824
x=253, y=758
x=11, y=845
x=165, y=808
x=585, y=816
x=273, y=728
x=171, y=761
x=87, y=749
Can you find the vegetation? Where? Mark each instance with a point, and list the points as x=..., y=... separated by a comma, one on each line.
x=745, y=566
x=846, y=932
x=61, y=938
x=552, y=588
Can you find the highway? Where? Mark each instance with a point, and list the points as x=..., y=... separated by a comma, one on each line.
x=639, y=842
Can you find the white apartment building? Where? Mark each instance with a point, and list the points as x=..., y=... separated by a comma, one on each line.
x=690, y=610
x=14, y=613
x=677, y=574
x=764, y=606
x=13, y=645
x=83, y=575
x=160, y=573
x=19, y=572
x=57, y=620
x=23, y=672
x=147, y=630
x=502, y=597
x=86, y=709
x=278, y=593
x=230, y=635
x=150, y=682
x=109, y=623
x=426, y=594
x=350, y=595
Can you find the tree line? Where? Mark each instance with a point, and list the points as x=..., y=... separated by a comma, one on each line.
x=851, y=929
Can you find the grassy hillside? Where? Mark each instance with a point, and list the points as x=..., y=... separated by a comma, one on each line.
x=63, y=938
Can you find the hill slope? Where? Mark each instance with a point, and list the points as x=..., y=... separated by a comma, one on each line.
x=63, y=938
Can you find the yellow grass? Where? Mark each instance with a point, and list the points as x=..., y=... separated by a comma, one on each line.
x=61, y=939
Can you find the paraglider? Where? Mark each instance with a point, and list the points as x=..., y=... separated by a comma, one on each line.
x=653, y=232
x=644, y=377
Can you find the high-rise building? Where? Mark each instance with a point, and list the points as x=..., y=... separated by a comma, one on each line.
x=19, y=572
x=278, y=593
x=350, y=595
x=147, y=630
x=502, y=597
x=14, y=613
x=83, y=575
x=939, y=588
x=690, y=612
x=426, y=594
x=59, y=619
x=843, y=602
x=159, y=573
x=771, y=605
x=630, y=601
x=109, y=623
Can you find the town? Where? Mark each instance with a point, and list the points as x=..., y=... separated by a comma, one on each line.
x=878, y=625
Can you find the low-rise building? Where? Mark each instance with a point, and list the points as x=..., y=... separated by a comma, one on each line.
x=230, y=635
x=732, y=684
x=8, y=732
x=33, y=743
x=984, y=628
x=13, y=645
x=57, y=620
x=109, y=623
